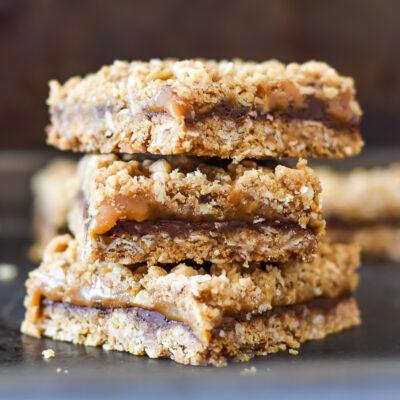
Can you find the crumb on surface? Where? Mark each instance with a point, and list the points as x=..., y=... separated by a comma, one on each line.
x=48, y=353
x=249, y=371
x=8, y=272
x=58, y=370
x=293, y=352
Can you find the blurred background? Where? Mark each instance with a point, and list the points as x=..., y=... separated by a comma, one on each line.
x=47, y=39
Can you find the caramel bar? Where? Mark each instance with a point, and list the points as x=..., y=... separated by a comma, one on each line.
x=228, y=109
x=199, y=295
x=168, y=210
x=143, y=332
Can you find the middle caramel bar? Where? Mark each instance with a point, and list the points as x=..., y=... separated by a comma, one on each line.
x=179, y=208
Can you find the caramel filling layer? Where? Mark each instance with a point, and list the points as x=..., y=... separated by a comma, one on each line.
x=322, y=304
x=138, y=209
x=99, y=293
x=335, y=114
x=133, y=288
x=168, y=101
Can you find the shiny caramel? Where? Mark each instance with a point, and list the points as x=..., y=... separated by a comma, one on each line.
x=167, y=100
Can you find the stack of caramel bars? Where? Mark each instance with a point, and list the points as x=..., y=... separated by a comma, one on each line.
x=189, y=238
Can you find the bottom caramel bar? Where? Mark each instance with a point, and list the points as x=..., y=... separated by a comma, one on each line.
x=140, y=331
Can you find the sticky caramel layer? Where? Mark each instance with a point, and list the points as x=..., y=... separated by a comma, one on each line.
x=151, y=333
x=187, y=189
x=200, y=295
x=313, y=109
x=123, y=210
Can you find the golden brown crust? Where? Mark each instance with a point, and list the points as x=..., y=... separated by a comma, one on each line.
x=217, y=242
x=238, y=340
x=187, y=188
x=180, y=107
x=213, y=138
x=200, y=298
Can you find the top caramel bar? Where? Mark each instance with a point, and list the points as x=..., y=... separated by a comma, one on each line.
x=228, y=109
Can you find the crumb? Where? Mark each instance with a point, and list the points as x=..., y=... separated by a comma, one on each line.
x=8, y=272
x=58, y=370
x=48, y=353
x=66, y=371
x=293, y=351
x=249, y=371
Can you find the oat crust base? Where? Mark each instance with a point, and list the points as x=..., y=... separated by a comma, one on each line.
x=125, y=330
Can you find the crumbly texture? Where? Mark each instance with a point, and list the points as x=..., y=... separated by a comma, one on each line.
x=280, y=204
x=361, y=195
x=225, y=109
x=249, y=371
x=376, y=240
x=139, y=332
x=54, y=189
x=8, y=272
x=48, y=353
x=198, y=295
x=218, y=242
x=186, y=188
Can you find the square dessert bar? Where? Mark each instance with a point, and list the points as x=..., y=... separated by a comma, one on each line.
x=377, y=189
x=228, y=109
x=54, y=190
x=375, y=225
x=192, y=313
x=168, y=210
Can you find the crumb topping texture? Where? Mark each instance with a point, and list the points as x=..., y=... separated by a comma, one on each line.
x=197, y=295
x=187, y=189
x=228, y=109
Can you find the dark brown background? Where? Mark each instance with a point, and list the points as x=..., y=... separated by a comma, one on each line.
x=44, y=39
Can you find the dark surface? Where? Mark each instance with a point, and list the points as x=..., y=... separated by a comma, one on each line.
x=368, y=354
x=362, y=362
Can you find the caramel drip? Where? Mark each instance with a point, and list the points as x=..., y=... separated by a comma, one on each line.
x=139, y=209
x=168, y=101
x=122, y=207
x=98, y=294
